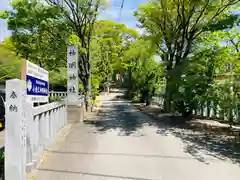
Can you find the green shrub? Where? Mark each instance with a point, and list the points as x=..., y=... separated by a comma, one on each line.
x=54, y=99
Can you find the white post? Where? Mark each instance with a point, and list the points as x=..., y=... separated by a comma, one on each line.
x=47, y=119
x=15, y=135
x=72, y=71
x=65, y=112
x=31, y=134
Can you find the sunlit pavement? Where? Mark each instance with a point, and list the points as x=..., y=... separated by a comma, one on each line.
x=122, y=143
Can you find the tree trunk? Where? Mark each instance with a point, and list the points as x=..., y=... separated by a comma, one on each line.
x=168, y=97
x=130, y=78
x=87, y=89
x=149, y=100
x=142, y=98
x=130, y=92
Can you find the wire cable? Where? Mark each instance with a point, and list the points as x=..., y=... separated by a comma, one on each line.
x=120, y=15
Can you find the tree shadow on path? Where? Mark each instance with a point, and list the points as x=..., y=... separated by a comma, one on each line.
x=198, y=142
x=117, y=115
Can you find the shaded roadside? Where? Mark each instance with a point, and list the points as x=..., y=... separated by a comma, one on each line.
x=217, y=141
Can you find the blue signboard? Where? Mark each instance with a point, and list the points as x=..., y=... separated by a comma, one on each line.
x=36, y=87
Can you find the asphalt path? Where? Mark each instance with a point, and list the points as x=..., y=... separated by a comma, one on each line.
x=122, y=143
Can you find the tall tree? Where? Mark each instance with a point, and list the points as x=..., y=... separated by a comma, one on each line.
x=39, y=33
x=109, y=44
x=144, y=72
x=81, y=15
x=9, y=63
x=174, y=25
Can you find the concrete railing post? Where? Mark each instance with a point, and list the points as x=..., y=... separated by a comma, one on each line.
x=65, y=113
x=47, y=136
x=58, y=119
x=51, y=124
x=36, y=140
x=30, y=136
x=54, y=123
x=15, y=135
x=29, y=130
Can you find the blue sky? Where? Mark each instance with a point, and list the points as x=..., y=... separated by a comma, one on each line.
x=3, y=27
x=112, y=13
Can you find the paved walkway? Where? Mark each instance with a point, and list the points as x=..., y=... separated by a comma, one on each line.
x=123, y=144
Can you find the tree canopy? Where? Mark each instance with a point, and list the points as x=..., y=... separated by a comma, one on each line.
x=10, y=64
x=174, y=27
x=197, y=44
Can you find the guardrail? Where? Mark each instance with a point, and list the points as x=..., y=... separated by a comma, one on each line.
x=209, y=109
x=43, y=124
x=62, y=94
x=57, y=94
x=29, y=130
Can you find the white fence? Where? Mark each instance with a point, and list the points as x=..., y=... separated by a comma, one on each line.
x=43, y=124
x=209, y=110
x=29, y=130
x=58, y=94
x=63, y=95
